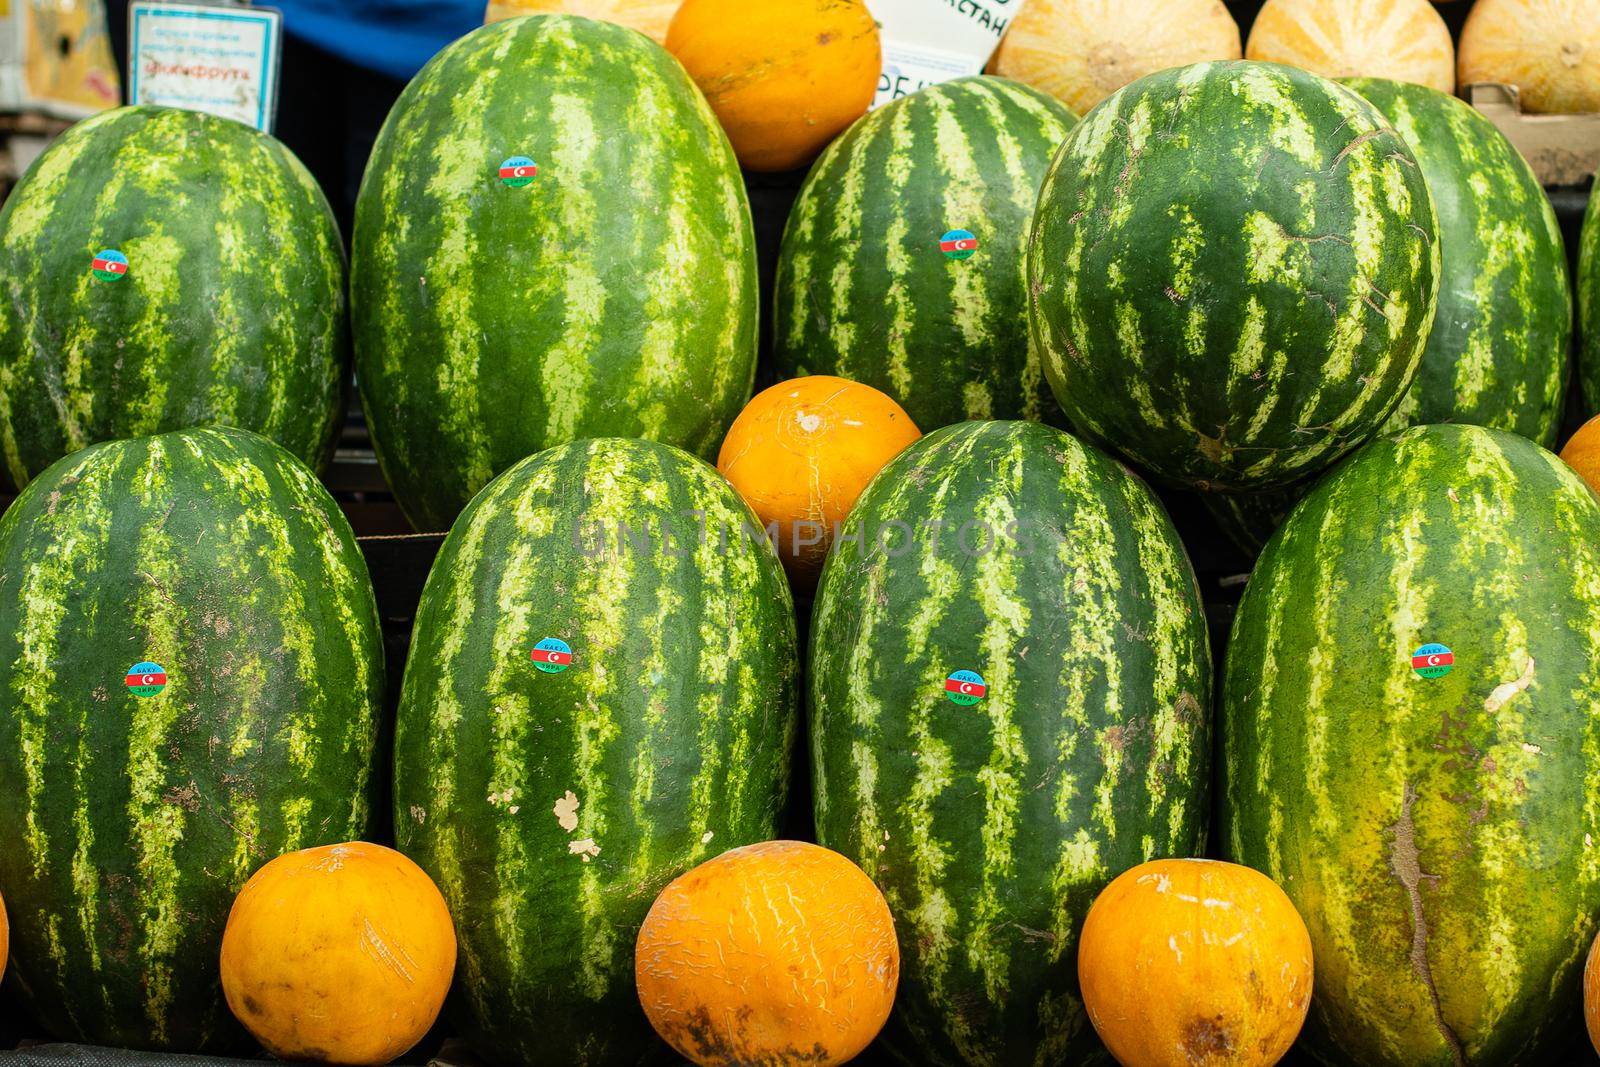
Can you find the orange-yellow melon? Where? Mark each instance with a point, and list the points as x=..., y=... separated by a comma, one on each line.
x=1402, y=40
x=1548, y=49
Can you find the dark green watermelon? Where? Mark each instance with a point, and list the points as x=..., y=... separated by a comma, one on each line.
x=191, y=676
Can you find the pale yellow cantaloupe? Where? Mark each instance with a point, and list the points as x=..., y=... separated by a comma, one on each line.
x=1548, y=49
x=1402, y=40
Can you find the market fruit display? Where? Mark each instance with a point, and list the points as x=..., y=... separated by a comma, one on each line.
x=1498, y=352
x=164, y=269
x=1548, y=49
x=775, y=953
x=552, y=242
x=1233, y=271
x=784, y=77
x=192, y=670
x=1582, y=453
x=338, y=954
x=649, y=17
x=1187, y=961
x=800, y=454
x=601, y=693
x=1400, y=40
x=1010, y=705
x=901, y=264
x=1409, y=708
x=1082, y=51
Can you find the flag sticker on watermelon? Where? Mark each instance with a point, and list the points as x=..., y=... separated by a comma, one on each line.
x=965, y=688
x=958, y=244
x=552, y=655
x=146, y=679
x=1433, y=661
x=109, y=265
x=518, y=171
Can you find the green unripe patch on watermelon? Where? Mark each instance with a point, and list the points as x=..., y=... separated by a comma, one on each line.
x=1013, y=551
x=552, y=808
x=231, y=310
x=131, y=817
x=615, y=294
x=864, y=289
x=1437, y=833
x=1233, y=270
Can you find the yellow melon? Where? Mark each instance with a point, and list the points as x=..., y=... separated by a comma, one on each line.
x=1403, y=40
x=649, y=17
x=1548, y=49
x=1082, y=51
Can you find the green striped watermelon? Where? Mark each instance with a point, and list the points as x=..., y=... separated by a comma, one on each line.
x=1589, y=308
x=865, y=289
x=191, y=676
x=614, y=293
x=1051, y=574
x=227, y=306
x=1498, y=352
x=551, y=802
x=1233, y=270
x=1438, y=831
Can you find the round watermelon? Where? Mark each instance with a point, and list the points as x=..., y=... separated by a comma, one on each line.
x=552, y=242
x=902, y=263
x=601, y=694
x=1411, y=740
x=1010, y=705
x=191, y=676
x=164, y=269
x=1233, y=272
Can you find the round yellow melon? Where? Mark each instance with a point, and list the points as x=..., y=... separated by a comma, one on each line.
x=1082, y=51
x=1548, y=49
x=1402, y=40
x=649, y=17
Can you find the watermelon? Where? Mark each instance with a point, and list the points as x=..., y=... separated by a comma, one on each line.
x=1589, y=308
x=166, y=269
x=602, y=693
x=552, y=242
x=191, y=676
x=1010, y=696
x=1411, y=739
x=1233, y=272
x=902, y=263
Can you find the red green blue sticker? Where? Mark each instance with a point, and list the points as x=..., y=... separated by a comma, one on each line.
x=146, y=679
x=958, y=244
x=552, y=655
x=1433, y=661
x=109, y=265
x=518, y=171
x=965, y=688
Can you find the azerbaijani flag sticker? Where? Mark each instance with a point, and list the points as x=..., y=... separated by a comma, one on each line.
x=965, y=688
x=551, y=655
x=1433, y=661
x=958, y=244
x=109, y=265
x=146, y=679
x=518, y=171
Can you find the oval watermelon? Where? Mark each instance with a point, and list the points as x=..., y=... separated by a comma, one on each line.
x=1233, y=272
x=1412, y=745
x=552, y=242
x=1010, y=696
x=165, y=269
x=601, y=694
x=1589, y=308
x=902, y=260
x=191, y=676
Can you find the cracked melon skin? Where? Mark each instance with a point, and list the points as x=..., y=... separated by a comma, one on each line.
x=1437, y=834
x=1232, y=313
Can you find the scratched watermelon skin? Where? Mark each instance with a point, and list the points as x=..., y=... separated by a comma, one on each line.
x=613, y=295
x=128, y=823
x=1437, y=835
x=231, y=310
x=551, y=809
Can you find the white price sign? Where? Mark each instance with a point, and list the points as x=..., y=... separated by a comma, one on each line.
x=931, y=41
x=205, y=57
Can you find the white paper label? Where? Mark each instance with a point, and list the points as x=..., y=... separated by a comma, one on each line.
x=223, y=60
x=931, y=41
